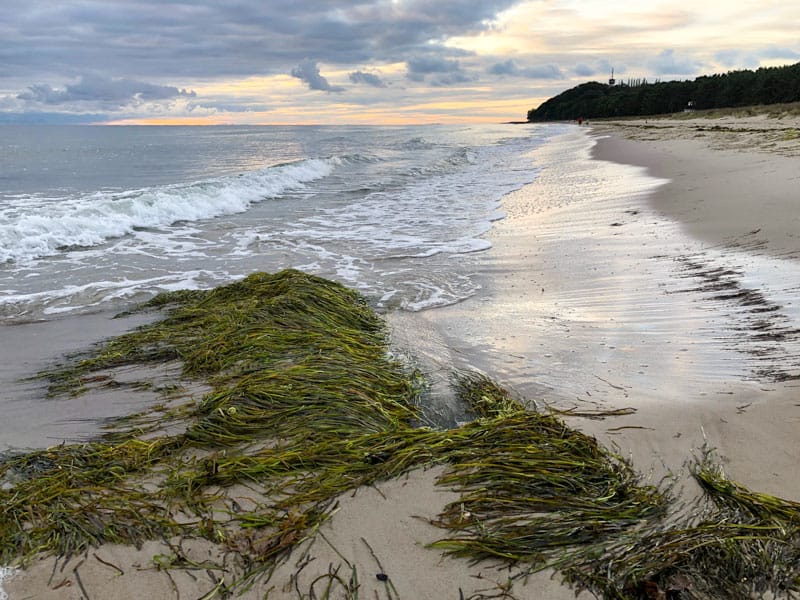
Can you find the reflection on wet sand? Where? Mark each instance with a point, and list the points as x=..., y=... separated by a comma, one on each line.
x=592, y=299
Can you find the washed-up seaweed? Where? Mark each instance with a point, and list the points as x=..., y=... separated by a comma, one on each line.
x=307, y=403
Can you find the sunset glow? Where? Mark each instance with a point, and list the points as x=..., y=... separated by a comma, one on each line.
x=407, y=61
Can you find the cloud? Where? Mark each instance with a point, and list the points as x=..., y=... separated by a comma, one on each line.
x=731, y=58
x=101, y=91
x=752, y=60
x=776, y=52
x=308, y=72
x=423, y=65
x=668, y=63
x=504, y=68
x=511, y=68
x=148, y=39
x=51, y=118
x=229, y=107
x=444, y=71
x=367, y=79
x=449, y=79
x=584, y=70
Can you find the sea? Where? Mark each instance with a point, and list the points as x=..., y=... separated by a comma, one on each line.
x=95, y=217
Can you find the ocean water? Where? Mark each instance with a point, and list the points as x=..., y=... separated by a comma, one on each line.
x=96, y=218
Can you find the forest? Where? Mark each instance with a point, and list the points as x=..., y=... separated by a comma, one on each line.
x=767, y=85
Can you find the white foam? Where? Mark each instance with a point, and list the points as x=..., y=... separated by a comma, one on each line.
x=48, y=225
x=400, y=228
x=96, y=293
x=6, y=573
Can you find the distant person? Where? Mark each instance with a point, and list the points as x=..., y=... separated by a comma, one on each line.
x=580, y=120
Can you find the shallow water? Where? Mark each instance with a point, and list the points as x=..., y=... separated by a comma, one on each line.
x=98, y=218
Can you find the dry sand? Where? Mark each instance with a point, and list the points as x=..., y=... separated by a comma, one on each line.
x=590, y=306
x=729, y=177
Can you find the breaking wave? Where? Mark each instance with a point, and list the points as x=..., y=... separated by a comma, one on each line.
x=44, y=226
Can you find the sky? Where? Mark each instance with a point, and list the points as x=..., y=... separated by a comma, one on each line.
x=359, y=61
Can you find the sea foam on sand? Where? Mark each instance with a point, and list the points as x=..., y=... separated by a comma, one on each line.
x=5, y=573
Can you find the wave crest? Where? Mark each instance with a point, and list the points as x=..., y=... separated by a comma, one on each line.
x=51, y=225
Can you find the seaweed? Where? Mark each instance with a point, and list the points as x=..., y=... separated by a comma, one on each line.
x=307, y=403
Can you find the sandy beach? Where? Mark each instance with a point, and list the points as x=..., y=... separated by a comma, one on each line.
x=677, y=297
x=733, y=187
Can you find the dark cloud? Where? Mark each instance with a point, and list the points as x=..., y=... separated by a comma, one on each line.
x=102, y=91
x=423, y=65
x=504, y=68
x=510, y=67
x=451, y=79
x=584, y=70
x=172, y=39
x=444, y=71
x=367, y=79
x=308, y=72
x=600, y=67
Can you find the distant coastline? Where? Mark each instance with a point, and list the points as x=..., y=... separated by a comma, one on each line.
x=767, y=86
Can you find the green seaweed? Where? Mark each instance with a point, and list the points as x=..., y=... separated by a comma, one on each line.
x=307, y=403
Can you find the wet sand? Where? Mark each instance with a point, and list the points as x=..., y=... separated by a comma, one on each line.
x=30, y=419
x=658, y=294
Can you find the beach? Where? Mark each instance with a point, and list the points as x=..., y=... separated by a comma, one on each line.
x=733, y=187
x=668, y=283
x=648, y=323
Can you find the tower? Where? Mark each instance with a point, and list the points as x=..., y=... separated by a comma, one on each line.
x=612, y=81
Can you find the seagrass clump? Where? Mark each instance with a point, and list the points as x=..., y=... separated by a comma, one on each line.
x=533, y=490
x=536, y=492
x=306, y=404
x=733, y=544
x=292, y=359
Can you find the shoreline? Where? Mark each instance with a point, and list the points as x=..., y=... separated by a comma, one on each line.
x=532, y=322
x=728, y=186
x=614, y=304
x=737, y=196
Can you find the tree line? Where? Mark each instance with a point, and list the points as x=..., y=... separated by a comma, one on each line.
x=767, y=85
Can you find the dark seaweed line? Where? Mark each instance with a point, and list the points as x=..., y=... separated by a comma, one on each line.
x=766, y=332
